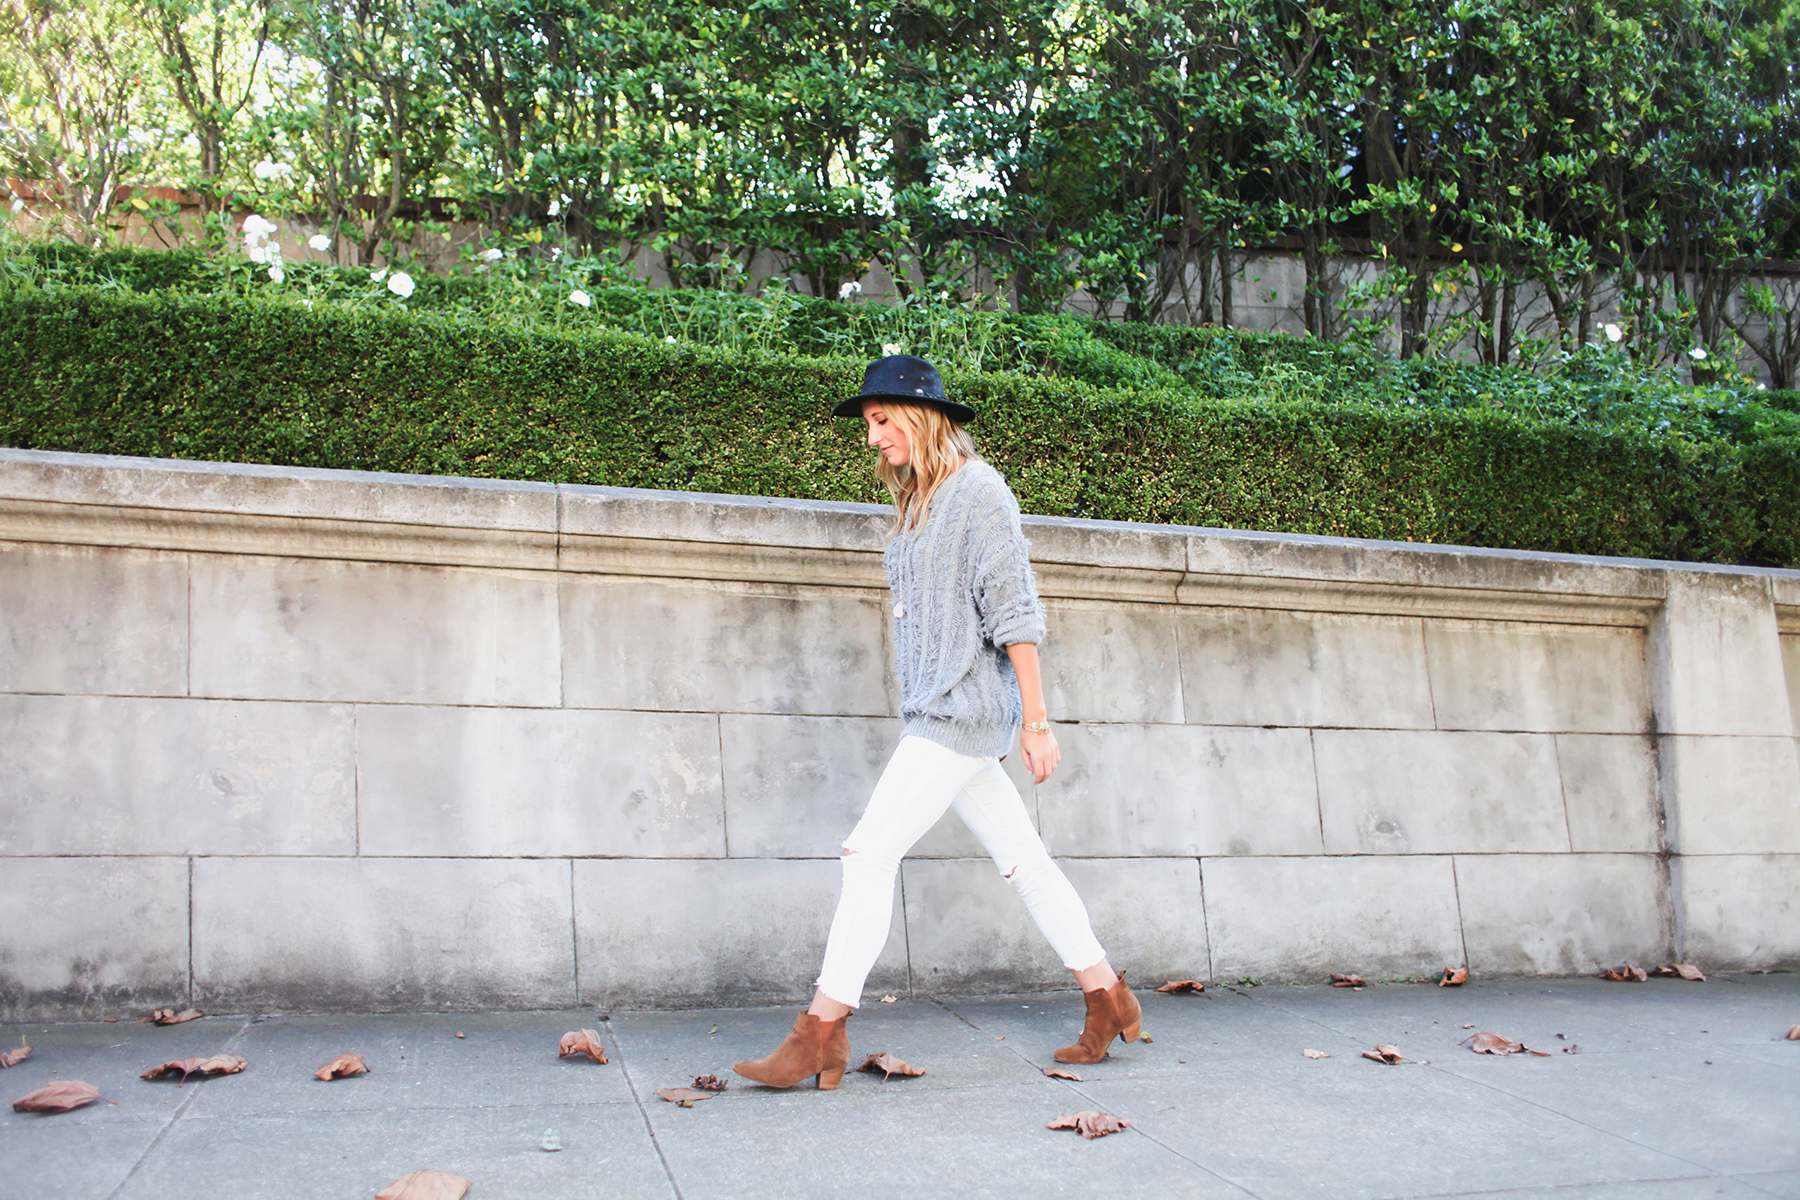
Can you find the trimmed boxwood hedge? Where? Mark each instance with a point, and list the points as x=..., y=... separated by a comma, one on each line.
x=258, y=380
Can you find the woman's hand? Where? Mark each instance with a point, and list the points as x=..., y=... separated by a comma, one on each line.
x=1041, y=753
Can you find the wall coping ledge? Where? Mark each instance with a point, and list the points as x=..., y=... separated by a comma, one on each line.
x=173, y=504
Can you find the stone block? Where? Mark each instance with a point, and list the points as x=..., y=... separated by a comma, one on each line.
x=1739, y=912
x=1715, y=658
x=1305, y=918
x=165, y=483
x=1404, y=792
x=1111, y=662
x=311, y=629
x=1790, y=660
x=1247, y=666
x=1406, y=564
x=796, y=786
x=83, y=938
x=1563, y=914
x=1731, y=795
x=1611, y=792
x=124, y=775
x=483, y=782
x=726, y=520
x=1112, y=545
x=1181, y=790
x=968, y=931
x=689, y=932
x=382, y=934
x=1514, y=675
x=725, y=647
x=86, y=619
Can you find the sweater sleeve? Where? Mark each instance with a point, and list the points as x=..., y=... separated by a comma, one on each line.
x=1006, y=596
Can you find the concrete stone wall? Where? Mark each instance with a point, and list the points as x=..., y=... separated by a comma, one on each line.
x=276, y=738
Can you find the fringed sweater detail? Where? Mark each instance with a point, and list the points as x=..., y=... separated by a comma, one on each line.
x=963, y=591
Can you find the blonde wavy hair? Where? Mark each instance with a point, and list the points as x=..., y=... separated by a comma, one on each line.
x=937, y=447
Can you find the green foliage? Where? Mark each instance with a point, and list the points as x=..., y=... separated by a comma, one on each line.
x=378, y=387
x=1515, y=172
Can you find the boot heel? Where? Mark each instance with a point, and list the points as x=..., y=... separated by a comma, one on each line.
x=1131, y=1032
x=828, y=1080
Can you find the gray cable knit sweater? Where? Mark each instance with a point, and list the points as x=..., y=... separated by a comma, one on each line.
x=963, y=591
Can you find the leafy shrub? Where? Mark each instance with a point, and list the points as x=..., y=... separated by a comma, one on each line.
x=382, y=388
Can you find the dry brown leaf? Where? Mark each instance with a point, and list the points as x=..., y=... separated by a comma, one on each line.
x=425, y=1185
x=1315, y=1054
x=1793, y=1033
x=683, y=1096
x=342, y=1066
x=1493, y=1043
x=709, y=1083
x=1454, y=977
x=1182, y=987
x=1624, y=974
x=1090, y=1124
x=1383, y=1053
x=1685, y=971
x=1060, y=1073
x=890, y=999
x=168, y=1016
x=582, y=1041
x=1347, y=981
x=889, y=1066
x=13, y=1058
x=57, y=1097
x=218, y=1064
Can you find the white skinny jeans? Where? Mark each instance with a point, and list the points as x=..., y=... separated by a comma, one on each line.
x=921, y=780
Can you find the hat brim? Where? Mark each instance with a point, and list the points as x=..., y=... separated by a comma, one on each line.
x=962, y=414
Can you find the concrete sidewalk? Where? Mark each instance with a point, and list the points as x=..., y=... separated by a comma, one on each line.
x=1678, y=1090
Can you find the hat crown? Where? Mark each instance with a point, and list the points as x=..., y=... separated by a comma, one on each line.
x=902, y=377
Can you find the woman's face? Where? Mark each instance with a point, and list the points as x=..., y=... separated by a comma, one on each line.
x=886, y=436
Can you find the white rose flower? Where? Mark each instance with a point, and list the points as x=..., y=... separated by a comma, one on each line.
x=849, y=289
x=264, y=170
x=18, y=205
x=256, y=232
x=1697, y=354
x=401, y=284
x=378, y=276
x=492, y=254
x=582, y=298
x=668, y=339
x=889, y=349
x=555, y=207
x=1613, y=333
x=257, y=253
x=276, y=274
x=320, y=242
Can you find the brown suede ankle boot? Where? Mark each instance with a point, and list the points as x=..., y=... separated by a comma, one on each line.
x=1111, y=1012
x=814, y=1047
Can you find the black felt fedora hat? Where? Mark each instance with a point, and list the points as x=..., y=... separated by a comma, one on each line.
x=903, y=377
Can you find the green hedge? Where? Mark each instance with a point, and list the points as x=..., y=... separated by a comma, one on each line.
x=256, y=380
x=1596, y=388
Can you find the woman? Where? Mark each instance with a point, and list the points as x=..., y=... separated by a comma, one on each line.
x=967, y=621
